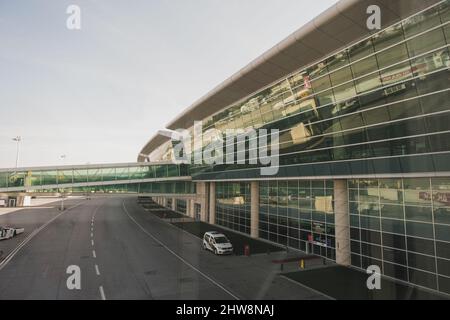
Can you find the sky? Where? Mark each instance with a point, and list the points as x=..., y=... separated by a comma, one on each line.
x=98, y=94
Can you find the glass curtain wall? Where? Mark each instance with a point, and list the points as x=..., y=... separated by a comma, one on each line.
x=233, y=206
x=385, y=98
x=403, y=226
x=299, y=214
x=29, y=178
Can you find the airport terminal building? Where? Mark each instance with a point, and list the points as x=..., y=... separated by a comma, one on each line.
x=364, y=142
x=363, y=172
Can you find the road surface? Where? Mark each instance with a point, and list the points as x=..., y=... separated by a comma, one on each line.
x=123, y=252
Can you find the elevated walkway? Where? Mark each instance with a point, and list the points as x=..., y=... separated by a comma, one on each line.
x=82, y=177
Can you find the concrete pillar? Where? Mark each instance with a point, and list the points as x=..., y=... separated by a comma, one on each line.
x=174, y=204
x=188, y=207
x=342, y=222
x=254, y=211
x=202, y=200
x=212, y=203
x=191, y=208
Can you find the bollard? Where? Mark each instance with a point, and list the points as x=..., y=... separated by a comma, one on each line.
x=302, y=264
x=247, y=250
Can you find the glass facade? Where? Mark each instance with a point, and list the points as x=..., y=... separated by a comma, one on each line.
x=403, y=226
x=298, y=214
x=175, y=188
x=233, y=206
x=58, y=177
x=178, y=187
x=181, y=206
x=379, y=106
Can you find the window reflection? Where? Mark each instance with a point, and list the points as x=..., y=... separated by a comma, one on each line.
x=412, y=215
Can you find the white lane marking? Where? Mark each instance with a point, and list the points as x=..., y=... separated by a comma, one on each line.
x=96, y=270
x=31, y=236
x=92, y=235
x=178, y=256
x=94, y=254
x=92, y=242
x=102, y=293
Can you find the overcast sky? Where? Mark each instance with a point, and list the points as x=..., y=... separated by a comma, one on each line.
x=98, y=94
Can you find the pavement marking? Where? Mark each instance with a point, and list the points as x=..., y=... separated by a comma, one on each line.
x=31, y=236
x=92, y=242
x=96, y=270
x=92, y=235
x=94, y=254
x=102, y=293
x=178, y=256
x=306, y=287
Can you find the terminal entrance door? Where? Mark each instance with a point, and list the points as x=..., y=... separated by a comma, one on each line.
x=12, y=202
x=197, y=212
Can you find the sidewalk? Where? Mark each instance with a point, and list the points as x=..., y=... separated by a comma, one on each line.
x=253, y=278
x=350, y=284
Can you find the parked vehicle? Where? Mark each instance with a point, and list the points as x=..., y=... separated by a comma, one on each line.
x=217, y=243
x=8, y=233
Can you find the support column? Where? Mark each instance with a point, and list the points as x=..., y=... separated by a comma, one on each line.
x=343, y=255
x=188, y=207
x=174, y=204
x=212, y=203
x=254, y=211
x=192, y=208
x=202, y=200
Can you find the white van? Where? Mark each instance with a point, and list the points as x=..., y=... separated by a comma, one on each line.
x=217, y=243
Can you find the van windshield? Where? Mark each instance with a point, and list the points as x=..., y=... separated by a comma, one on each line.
x=221, y=240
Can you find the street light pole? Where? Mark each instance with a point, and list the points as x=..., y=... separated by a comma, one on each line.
x=18, y=139
x=62, y=157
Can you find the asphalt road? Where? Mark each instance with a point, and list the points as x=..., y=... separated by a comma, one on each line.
x=124, y=252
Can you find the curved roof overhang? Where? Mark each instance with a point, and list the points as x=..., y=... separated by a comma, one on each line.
x=336, y=28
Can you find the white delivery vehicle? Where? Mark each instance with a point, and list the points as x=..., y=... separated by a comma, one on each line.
x=217, y=243
x=8, y=233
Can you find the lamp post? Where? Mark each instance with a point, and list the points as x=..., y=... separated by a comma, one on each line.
x=63, y=158
x=17, y=139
